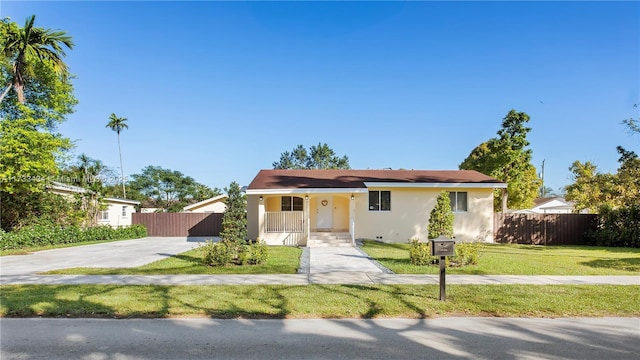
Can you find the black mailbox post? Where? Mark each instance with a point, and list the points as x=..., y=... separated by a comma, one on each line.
x=442, y=246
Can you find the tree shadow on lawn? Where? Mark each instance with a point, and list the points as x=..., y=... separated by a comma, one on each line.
x=51, y=301
x=625, y=264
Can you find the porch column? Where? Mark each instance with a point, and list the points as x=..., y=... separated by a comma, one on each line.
x=352, y=219
x=307, y=221
x=261, y=229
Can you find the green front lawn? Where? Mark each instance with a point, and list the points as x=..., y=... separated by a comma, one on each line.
x=282, y=260
x=498, y=259
x=317, y=301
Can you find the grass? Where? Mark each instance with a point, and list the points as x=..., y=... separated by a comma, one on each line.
x=282, y=260
x=317, y=301
x=498, y=259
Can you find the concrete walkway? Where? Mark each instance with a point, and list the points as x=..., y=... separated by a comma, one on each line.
x=347, y=278
x=323, y=265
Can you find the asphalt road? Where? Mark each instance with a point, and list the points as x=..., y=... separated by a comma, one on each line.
x=444, y=338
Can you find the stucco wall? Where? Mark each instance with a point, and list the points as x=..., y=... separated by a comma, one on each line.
x=116, y=217
x=409, y=216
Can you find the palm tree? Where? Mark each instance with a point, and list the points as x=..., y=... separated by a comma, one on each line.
x=23, y=46
x=118, y=124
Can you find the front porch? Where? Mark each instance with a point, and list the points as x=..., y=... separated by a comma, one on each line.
x=307, y=220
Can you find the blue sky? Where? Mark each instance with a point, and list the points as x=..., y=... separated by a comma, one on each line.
x=218, y=90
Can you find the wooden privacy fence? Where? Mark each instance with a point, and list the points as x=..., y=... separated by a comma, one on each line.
x=543, y=229
x=180, y=224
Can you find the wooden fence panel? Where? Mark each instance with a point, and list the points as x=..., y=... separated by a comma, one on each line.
x=180, y=224
x=542, y=229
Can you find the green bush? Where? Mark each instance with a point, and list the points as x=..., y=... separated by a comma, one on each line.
x=420, y=253
x=216, y=254
x=256, y=253
x=617, y=227
x=234, y=253
x=465, y=254
x=50, y=234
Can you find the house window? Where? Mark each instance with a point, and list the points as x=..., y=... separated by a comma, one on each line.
x=291, y=203
x=124, y=211
x=104, y=215
x=379, y=200
x=458, y=200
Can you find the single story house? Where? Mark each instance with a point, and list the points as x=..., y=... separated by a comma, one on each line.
x=549, y=205
x=304, y=207
x=215, y=204
x=117, y=213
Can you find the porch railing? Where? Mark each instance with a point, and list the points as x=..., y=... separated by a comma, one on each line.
x=284, y=221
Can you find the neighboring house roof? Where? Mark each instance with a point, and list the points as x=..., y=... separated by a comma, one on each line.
x=205, y=202
x=552, y=202
x=122, y=201
x=58, y=188
x=555, y=204
x=360, y=180
x=66, y=188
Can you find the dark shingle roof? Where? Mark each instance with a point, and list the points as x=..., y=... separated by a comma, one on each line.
x=315, y=179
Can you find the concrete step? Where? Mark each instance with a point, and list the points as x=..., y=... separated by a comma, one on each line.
x=326, y=239
x=318, y=243
x=329, y=235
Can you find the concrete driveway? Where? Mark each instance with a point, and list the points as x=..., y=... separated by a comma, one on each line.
x=127, y=253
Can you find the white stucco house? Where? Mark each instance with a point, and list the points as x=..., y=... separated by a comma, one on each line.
x=305, y=207
x=117, y=213
x=215, y=204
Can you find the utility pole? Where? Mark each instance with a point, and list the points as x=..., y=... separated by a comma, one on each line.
x=543, y=192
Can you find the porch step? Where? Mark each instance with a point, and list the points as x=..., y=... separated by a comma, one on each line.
x=324, y=239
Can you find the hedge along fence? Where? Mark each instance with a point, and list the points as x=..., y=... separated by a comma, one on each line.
x=43, y=235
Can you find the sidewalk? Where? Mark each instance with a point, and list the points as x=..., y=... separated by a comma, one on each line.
x=346, y=278
x=330, y=265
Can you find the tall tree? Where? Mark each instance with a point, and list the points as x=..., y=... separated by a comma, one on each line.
x=169, y=189
x=29, y=154
x=234, y=220
x=318, y=157
x=118, y=124
x=29, y=144
x=87, y=173
x=25, y=46
x=508, y=158
x=592, y=191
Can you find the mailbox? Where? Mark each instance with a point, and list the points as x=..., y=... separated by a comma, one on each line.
x=442, y=246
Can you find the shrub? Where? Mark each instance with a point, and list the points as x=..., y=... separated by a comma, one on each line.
x=441, y=217
x=256, y=253
x=234, y=253
x=617, y=227
x=420, y=253
x=216, y=254
x=50, y=234
x=466, y=254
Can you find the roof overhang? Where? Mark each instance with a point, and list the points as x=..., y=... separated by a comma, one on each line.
x=307, y=191
x=122, y=201
x=436, y=185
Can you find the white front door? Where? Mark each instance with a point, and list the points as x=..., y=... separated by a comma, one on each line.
x=324, y=212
